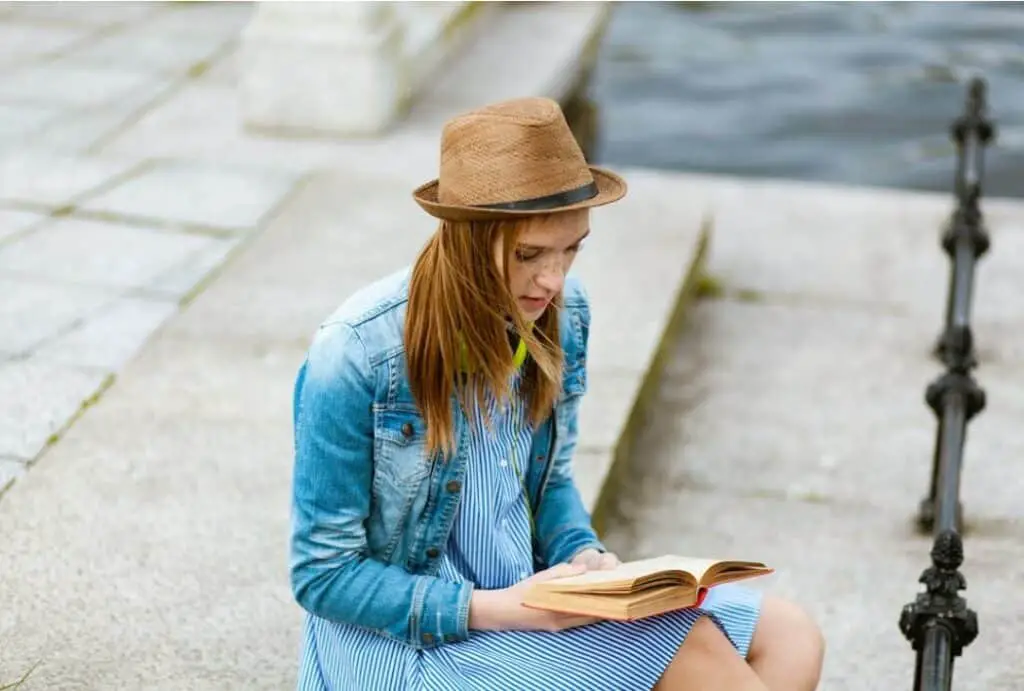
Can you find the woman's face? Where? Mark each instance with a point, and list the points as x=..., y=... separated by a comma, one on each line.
x=544, y=252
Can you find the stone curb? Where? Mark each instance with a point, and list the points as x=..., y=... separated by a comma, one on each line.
x=621, y=459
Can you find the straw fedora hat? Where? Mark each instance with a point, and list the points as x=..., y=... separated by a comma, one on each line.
x=514, y=158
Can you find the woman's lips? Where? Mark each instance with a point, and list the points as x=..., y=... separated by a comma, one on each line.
x=534, y=303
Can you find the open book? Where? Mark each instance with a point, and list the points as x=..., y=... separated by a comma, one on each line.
x=639, y=589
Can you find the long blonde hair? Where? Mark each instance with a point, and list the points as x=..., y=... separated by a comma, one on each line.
x=456, y=337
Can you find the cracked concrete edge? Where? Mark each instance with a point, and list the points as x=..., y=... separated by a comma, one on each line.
x=55, y=436
x=621, y=459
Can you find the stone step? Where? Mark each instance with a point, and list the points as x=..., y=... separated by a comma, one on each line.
x=790, y=424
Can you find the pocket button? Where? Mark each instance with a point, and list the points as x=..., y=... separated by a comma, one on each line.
x=407, y=430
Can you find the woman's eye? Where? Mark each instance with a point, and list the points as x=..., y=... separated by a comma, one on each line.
x=576, y=248
x=526, y=256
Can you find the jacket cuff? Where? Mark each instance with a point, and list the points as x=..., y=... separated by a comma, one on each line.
x=443, y=613
x=570, y=543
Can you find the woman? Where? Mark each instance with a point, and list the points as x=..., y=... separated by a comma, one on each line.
x=435, y=422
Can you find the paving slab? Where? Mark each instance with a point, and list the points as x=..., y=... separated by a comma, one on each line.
x=55, y=180
x=182, y=278
x=93, y=14
x=201, y=122
x=146, y=50
x=25, y=42
x=67, y=85
x=98, y=254
x=224, y=198
x=13, y=222
x=10, y=470
x=17, y=121
x=77, y=134
x=36, y=400
x=109, y=338
x=32, y=311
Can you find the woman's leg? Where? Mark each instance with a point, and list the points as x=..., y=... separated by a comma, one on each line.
x=707, y=661
x=787, y=649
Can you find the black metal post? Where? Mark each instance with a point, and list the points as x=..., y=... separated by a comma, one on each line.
x=938, y=623
x=964, y=241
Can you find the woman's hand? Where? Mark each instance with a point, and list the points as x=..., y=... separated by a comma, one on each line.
x=503, y=610
x=596, y=561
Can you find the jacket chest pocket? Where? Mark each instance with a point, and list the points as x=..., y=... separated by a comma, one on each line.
x=400, y=463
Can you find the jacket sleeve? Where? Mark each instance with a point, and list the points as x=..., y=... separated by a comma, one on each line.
x=332, y=574
x=563, y=523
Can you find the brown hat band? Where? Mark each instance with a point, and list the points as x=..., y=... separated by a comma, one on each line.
x=550, y=201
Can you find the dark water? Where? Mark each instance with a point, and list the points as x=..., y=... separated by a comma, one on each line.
x=860, y=93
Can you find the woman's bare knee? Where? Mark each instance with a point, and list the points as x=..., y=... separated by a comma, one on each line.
x=707, y=661
x=788, y=648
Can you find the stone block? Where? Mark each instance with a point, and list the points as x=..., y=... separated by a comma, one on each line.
x=328, y=69
x=37, y=400
x=605, y=408
x=55, y=180
x=590, y=469
x=110, y=337
x=200, y=196
x=98, y=254
x=32, y=311
x=70, y=85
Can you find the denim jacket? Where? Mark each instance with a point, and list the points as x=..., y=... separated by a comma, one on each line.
x=371, y=512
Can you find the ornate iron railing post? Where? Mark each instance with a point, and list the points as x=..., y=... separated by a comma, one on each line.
x=938, y=623
x=964, y=241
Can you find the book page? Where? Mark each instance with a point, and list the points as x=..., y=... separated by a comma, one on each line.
x=637, y=569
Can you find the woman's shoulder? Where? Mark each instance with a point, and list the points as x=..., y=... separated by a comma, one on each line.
x=373, y=316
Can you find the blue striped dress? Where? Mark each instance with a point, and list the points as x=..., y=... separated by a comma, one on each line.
x=490, y=546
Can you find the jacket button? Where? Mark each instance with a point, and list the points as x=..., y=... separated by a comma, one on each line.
x=407, y=430
x=453, y=486
x=428, y=638
x=433, y=552
x=540, y=459
x=450, y=637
